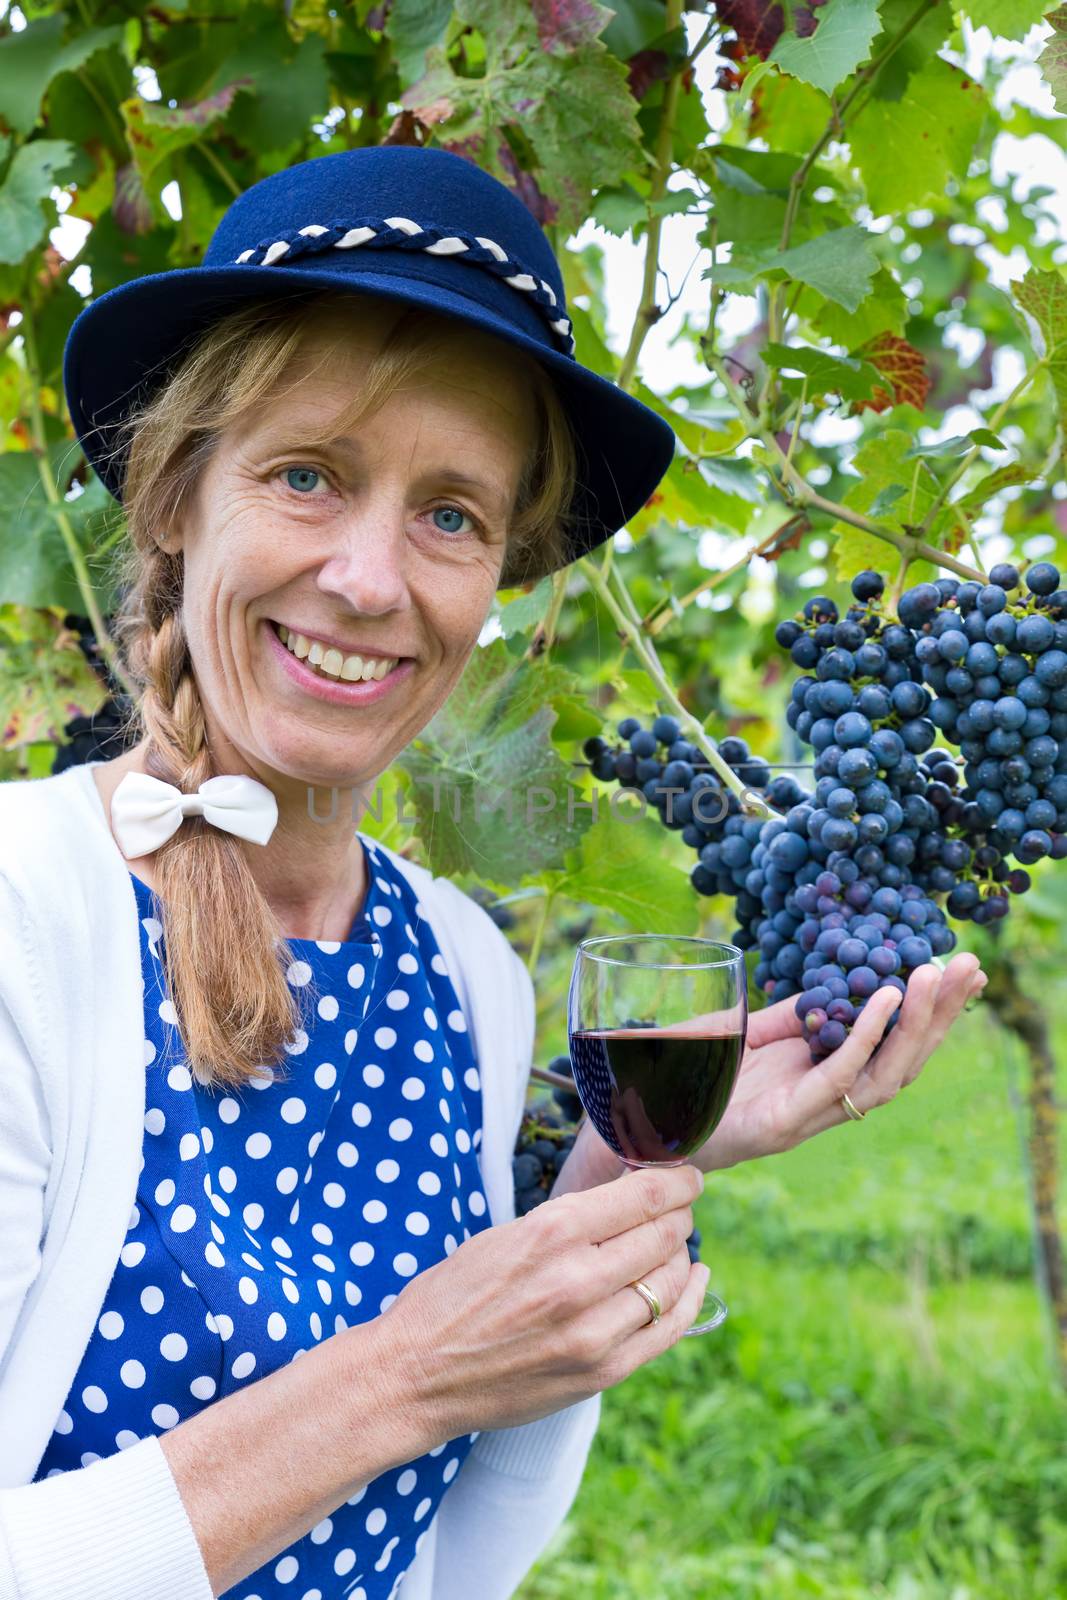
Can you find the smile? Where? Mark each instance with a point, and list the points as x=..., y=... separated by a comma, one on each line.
x=329, y=662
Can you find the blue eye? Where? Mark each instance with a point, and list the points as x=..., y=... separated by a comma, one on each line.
x=450, y=512
x=303, y=475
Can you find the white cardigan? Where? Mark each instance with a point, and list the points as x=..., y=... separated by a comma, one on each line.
x=72, y=1098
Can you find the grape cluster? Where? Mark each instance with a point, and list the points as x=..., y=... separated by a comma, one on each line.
x=545, y=1140
x=98, y=737
x=849, y=889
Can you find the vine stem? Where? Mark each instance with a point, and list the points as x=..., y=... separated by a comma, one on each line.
x=803, y=494
x=545, y=634
x=661, y=619
x=647, y=311
x=55, y=500
x=619, y=602
x=539, y=934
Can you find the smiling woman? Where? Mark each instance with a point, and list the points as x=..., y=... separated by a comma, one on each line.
x=303, y=462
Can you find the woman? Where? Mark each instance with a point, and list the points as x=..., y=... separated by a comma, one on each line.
x=261, y=1076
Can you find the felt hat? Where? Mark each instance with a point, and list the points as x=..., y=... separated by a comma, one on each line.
x=421, y=225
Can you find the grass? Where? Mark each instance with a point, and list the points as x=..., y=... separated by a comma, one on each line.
x=877, y=1418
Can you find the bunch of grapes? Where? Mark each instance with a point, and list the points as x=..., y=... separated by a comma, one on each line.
x=841, y=895
x=98, y=737
x=546, y=1139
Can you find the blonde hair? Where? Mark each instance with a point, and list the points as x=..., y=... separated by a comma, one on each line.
x=226, y=955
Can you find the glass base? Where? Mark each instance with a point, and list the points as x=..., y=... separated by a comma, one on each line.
x=712, y=1314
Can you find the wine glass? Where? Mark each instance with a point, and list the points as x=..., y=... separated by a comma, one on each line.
x=657, y=1029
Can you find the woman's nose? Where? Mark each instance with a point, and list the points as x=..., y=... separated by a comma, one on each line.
x=367, y=566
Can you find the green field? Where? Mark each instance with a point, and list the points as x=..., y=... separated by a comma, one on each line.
x=876, y=1420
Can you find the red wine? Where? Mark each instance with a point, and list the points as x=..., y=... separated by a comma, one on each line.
x=655, y=1095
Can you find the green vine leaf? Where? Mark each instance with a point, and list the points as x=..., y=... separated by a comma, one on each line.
x=840, y=43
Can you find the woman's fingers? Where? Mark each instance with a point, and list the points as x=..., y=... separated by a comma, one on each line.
x=934, y=1000
x=822, y=1087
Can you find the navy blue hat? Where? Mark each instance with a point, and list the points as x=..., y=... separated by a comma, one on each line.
x=421, y=225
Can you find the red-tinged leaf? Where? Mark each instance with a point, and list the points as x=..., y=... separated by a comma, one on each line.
x=525, y=186
x=407, y=128
x=646, y=68
x=567, y=24
x=790, y=536
x=759, y=25
x=905, y=369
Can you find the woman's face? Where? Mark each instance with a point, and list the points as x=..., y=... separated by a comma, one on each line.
x=386, y=546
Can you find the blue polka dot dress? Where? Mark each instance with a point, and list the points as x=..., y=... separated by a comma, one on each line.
x=269, y=1218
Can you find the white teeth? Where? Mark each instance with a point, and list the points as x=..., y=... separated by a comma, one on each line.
x=328, y=660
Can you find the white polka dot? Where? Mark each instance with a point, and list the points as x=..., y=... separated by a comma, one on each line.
x=94, y=1398
x=445, y=1109
x=213, y=1255
x=375, y=1211
x=422, y=1508
x=149, y=1057
x=407, y=1481
x=343, y=1562
x=334, y=1195
x=228, y=1179
x=325, y=1291
x=429, y=1183
x=64, y=1422
x=182, y=1219
x=447, y=1079
x=347, y=1154
x=290, y=1290
x=373, y=1076
x=457, y=1211
x=326, y=1075
x=154, y=1120
x=188, y=1146
x=438, y=964
x=361, y=1253
x=253, y=1215
x=133, y=1374
x=126, y=1437
x=248, y=1289
x=164, y=1416
x=87, y=1459
x=439, y=1144
x=387, y=1171
x=315, y=1324
x=417, y=1222
x=165, y=1192
x=276, y=1328
x=360, y=1114
x=353, y=1294
x=405, y=1264
x=179, y=1077
x=400, y=1129
x=322, y=1233
x=385, y=1038
x=293, y=1109
x=397, y=999
x=422, y=1050
x=229, y=1109
x=350, y=1039
x=376, y=1521
x=257, y=1145
x=287, y=1569
x=471, y=1078
x=329, y=947
x=476, y=1203
x=382, y=916
x=456, y=1021
x=299, y=973
x=450, y=1470
x=298, y=1043
x=328, y=1008
x=207, y=1139
x=321, y=1531
x=111, y=1325
x=152, y=1299
x=356, y=974
x=244, y=1364
x=173, y=1347
x=429, y=1016
x=407, y=963
x=451, y=1244
x=286, y=1180
x=202, y=1388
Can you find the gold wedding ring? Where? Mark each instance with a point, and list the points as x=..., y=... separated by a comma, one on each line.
x=649, y=1297
x=853, y=1112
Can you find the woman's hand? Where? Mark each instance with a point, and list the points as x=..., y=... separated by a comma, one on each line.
x=781, y=1099
x=537, y=1314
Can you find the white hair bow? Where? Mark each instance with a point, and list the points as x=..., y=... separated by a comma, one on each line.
x=145, y=811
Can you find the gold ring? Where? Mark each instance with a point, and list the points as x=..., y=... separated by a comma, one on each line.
x=853, y=1111
x=649, y=1297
